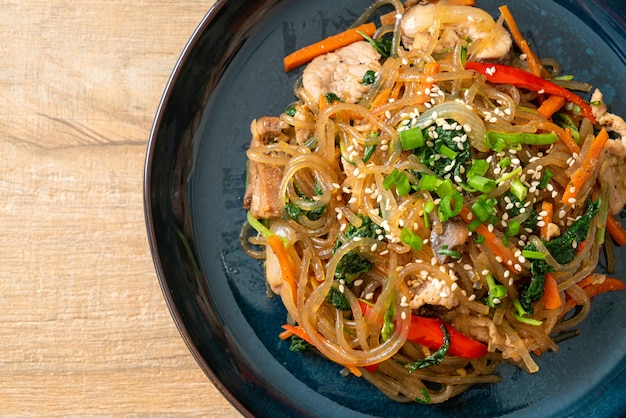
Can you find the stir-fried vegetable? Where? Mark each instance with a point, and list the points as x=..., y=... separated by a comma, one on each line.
x=504, y=74
x=332, y=43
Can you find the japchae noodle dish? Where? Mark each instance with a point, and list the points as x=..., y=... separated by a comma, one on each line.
x=435, y=200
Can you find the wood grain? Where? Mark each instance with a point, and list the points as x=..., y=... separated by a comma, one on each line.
x=84, y=329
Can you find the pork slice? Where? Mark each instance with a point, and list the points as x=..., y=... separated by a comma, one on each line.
x=262, y=196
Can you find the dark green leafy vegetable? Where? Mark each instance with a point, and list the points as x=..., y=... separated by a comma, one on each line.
x=337, y=299
x=562, y=248
x=547, y=176
x=353, y=264
x=291, y=111
x=445, y=140
x=368, y=78
x=383, y=45
x=331, y=98
x=425, y=399
x=564, y=121
x=298, y=344
x=293, y=210
x=435, y=358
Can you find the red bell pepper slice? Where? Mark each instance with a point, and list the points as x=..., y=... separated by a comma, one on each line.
x=504, y=74
x=427, y=332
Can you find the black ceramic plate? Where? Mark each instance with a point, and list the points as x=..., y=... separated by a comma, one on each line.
x=230, y=73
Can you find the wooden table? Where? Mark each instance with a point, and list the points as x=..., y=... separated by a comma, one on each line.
x=84, y=329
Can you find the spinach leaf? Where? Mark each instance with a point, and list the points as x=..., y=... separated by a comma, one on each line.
x=337, y=299
x=442, y=153
x=562, y=249
x=298, y=344
x=351, y=266
x=435, y=358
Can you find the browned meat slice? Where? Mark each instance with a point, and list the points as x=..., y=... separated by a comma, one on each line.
x=454, y=236
x=262, y=195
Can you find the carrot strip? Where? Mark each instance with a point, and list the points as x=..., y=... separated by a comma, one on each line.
x=297, y=331
x=285, y=264
x=592, y=290
x=610, y=284
x=332, y=43
x=285, y=334
x=586, y=281
x=533, y=62
x=582, y=174
x=380, y=99
x=616, y=230
x=551, y=105
x=493, y=242
x=547, y=217
x=551, y=295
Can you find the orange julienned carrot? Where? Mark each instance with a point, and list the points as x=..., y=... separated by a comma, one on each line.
x=493, y=242
x=616, y=230
x=547, y=210
x=551, y=295
x=306, y=54
x=297, y=331
x=551, y=105
x=285, y=263
x=609, y=284
x=593, y=289
x=380, y=99
x=533, y=62
x=582, y=174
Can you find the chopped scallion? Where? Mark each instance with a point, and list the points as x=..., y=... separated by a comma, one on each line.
x=478, y=168
x=448, y=152
x=411, y=239
x=534, y=255
x=518, y=189
x=482, y=184
x=411, y=139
